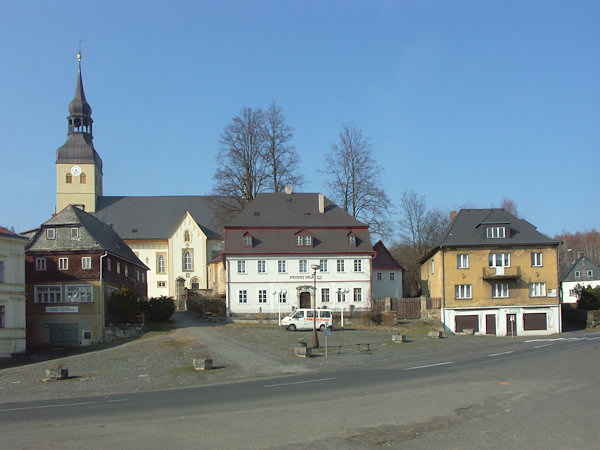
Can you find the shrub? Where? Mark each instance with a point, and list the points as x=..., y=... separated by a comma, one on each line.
x=589, y=297
x=159, y=309
x=389, y=319
x=123, y=302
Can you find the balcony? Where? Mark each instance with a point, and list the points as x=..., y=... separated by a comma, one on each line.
x=501, y=273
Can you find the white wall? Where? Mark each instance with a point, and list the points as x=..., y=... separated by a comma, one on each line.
x=12, y=296
x=567, y=286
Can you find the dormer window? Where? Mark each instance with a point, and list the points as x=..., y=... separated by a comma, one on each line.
x=351, y=240
x=303, y=238
x=74, y=233
x=247, y=239
x=50, y=233
x=496, y=232
x=299, y=241
x=308, y=241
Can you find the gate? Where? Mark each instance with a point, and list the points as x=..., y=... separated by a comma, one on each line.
x=63, y=334
x=407, y=308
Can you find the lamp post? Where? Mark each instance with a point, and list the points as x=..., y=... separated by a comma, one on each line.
x=276, y=294
x=315, y=338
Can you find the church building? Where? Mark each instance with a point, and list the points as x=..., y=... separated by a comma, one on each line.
x=175, y=236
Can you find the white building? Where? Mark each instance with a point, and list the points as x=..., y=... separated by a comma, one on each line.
x=12, y=293
x=582, y=272
x=274, y=245
x=388, y=273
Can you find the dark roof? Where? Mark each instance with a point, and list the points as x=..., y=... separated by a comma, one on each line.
x=4, y=232
x=468, y=229
x=157, y=217
x=582, y=265
x=383, y=259
x=274, y=220
x=94, y=235
x=79, y=149
x=79, y=105
x=294, y=210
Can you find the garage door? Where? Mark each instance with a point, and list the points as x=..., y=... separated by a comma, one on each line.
x=63, y=334
x=534, y=321
x=463, y=322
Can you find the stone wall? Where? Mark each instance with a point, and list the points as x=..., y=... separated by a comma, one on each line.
x=120, y=331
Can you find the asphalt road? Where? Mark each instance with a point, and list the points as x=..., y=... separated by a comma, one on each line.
x=537, y=393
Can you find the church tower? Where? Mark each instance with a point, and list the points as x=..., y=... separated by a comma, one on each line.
x=78, y=166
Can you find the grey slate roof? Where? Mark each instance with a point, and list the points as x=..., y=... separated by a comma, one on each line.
x=94, y=235
x=582, y=265
x=468, y=230
x=273, y=220
x=384, y=259
x=157, y=217
x=79, y=149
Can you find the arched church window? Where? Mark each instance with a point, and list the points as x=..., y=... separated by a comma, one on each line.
x=161, y=264
x=187, y=261
x=69, y=178
x=187, y=236
x=82, y=178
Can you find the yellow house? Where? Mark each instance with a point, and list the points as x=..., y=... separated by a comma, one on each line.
x=495, y=274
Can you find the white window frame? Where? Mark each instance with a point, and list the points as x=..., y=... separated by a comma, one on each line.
x=262, y=296
x=462, y=291
x=352, y=240
x=536, y=259
x=281, y=266
x=86, y=262
x=74, y=233
x=51, y=234
x=79, y=293
x=589, y=273
x=308, y=241
x=577, y=274
x=502, y=258
x=496, y=232
x=242, y=296
x=299, y=241
x=341, y=296
x=241, y=266
x=40, y=263
x=340, y=265
x=63, y=263
x=358, y=265
x=323, y=265
x=303, y=266
x=392, y=276
x=500, y=290
x=462, y=261
x=49, y=293
x=324, y=295
x=247, y=241
x=357, y=294
x=161, y=264
x=537, y=289
x=261, y=266
x=187, y=261
x=283, y=297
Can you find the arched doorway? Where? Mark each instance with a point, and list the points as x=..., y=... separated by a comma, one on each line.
x=180, y=294
x=305, y=300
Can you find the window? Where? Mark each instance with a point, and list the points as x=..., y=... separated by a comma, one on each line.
x=262, y=296
x=262, y=266
x=496, y=232
x=63, y=263
x=500, y=290
x=137, y=275
x=499, y=259
x=325, y=295
x=590, y=273
x=323, y=265
x=50, y=233
x=40, y=263
x=308, y=241
x=241, y=266
x=74, y=233
x=432, y=266
x=1, y=271
x=243, y=296
x=379, y=276
x=79, y=294
x=160, y=265
x=358, y=265
x=536, y=259
x=282, y=297
x=534, y=321
x=281, y=266
x=537, y=289
x=341, y=296
x=69, y=178
x=340, y=265
x=351, y=240
x=47, y=294
x=161, y=284
x=299, y=241
x=82, y=178
x=144, y=277
x=392, y=276
x=108, y=264
x=86, y=263
x=462, y=291
x=118, y=267
x=2, y=319
x=126, y=269
x=358, y=294
x=303, y=266
x=572, y=293
x=462, y=261
x=187, y=261
x=577, y=274
x=186, y=236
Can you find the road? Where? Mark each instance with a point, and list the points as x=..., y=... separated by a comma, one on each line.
x=535, y=393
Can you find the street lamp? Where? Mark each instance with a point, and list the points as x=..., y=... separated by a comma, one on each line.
x=315, y=338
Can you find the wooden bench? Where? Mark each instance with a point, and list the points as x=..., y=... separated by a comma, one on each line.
x=363, y=347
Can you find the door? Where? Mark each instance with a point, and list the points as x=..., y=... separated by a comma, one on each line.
x=511, y=324
x=63, y=334
x=490, y=324
x=305, y=300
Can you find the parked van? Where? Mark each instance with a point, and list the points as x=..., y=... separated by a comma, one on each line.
x=302, y=319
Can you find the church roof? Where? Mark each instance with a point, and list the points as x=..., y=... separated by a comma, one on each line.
x=79, y=149
x=79, y=105
x=157, y=217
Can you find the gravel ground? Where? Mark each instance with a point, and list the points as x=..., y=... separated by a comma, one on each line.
x=239, y=351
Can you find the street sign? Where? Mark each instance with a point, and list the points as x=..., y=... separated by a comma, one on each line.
x=327, y=332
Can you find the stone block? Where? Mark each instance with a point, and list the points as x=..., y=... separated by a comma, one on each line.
x=303, y=352
x=399, y=337
x=203, y=363
x=436, y=334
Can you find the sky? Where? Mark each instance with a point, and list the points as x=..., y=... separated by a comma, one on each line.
x=465, y=103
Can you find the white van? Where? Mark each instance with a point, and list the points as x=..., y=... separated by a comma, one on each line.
x=302, y=319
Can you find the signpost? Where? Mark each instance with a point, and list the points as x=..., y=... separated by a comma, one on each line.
x=326, y=333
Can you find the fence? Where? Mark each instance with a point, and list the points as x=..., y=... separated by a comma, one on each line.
x=405, y=308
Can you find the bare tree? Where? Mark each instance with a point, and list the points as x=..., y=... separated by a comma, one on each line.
x=510, y=206
x=241, y=171
x=419, y=228
x=354, y=180
x=280, y=154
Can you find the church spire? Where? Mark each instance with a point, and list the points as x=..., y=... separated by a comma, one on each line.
x=80, y=111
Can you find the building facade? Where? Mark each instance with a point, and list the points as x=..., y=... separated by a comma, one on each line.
x=281, y=245
x=388, y=274
x=175, y=236
x=495, y=274
x=12, y=293
x=72, y=264
x=582, y=272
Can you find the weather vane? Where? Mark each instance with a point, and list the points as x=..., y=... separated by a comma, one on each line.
x=80, y=49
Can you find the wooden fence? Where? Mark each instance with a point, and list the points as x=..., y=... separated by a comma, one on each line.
x=405, y=308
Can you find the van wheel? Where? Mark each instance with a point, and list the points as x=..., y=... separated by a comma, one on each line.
x=292, y=327
x=322, y=327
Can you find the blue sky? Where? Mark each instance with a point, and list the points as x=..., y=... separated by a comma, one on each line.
x=465, y=102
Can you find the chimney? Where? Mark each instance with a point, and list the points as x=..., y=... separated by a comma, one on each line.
x=321, y=204
x=288, y=193
x=452, y=215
